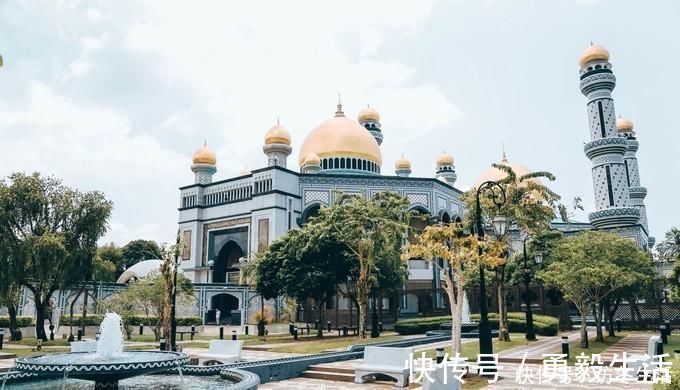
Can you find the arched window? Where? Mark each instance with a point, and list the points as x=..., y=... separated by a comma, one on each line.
x=342, y=163
x=363, y=165
x=337, y=163
x=354, y=163
x=324, y=163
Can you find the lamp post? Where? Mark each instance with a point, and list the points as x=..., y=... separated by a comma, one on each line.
x=538, y=258
x=173, y=311
x=497, y=195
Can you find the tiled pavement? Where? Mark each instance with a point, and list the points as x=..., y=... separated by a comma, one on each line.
x=634, y=344
x=536, y=349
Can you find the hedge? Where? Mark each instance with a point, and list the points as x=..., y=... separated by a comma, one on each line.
x=132, y=320
x=543, y=325
x=22, y=321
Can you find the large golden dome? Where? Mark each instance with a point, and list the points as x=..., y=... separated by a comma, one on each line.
x=368, y=113
x=624, y=125
x=340, y=137
x=277, y=135
x=593, y=53
x=495, y=174
x=204, y=155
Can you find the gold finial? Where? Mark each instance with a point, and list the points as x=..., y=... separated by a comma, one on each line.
x=339, y=111
x=277, y=121
x=504, y=159
x=205, y=142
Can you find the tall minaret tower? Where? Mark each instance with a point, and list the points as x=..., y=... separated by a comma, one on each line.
x=370, y=119
x=606, y=149
x=637, y=193
x=203, y=165
x=277, y=145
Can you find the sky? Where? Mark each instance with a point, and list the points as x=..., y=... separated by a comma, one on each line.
x=116, y=96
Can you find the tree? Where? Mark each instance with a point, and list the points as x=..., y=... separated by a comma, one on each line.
x=669, y=248
x=109, y=256
x=458, y=251
x=529, y=206
x=138, y=250
x=590, y=266
x=50, y=233
x=366, y=227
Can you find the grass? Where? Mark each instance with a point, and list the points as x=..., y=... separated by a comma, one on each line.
x=313, y=345
x=32, y=342
x=470, y=350
x=27, y=352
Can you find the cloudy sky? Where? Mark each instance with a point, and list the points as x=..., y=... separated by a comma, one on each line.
x=115, y=96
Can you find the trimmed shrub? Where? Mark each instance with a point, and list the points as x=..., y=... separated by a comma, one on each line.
x=543, y=325
x=22, y=321
x=90, y=319
x=132, y=320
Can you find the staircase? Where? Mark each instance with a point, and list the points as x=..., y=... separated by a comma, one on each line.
x=329, y=373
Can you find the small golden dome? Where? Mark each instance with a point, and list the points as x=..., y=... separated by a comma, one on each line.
x=593, y=53
x=277, y=135
x=624, y=125
x=204, y=155
x=445, y=159
x=368, y=113
x=312, y=159
x=340, y=137
x=244, y=172
x=402, y=163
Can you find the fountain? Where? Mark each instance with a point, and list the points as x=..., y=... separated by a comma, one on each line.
x=108, y=365
x=468, y=328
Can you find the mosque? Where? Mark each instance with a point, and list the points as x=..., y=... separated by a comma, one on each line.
x=223, y=222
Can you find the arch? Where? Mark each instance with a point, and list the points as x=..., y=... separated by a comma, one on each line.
x=354, y=163
x=342, y=163
x=418, y=222
x=444, y=216
x=228, y=305
x=336, y=165
x=363, y=165
x=227, y=261
x=310, y=211
x=324, y=163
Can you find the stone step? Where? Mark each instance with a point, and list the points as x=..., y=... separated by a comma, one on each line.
x=329, y=376
x=322, y=368
x=5, y=355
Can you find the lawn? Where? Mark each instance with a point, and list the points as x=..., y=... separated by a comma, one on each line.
x=314, y=345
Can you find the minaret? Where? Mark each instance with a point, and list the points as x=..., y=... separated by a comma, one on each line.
x=446, y=171
x=606, y=148
x=637, y=193
x=402, y=167
x=370, y=119
x=204, y=165
x=277, y=145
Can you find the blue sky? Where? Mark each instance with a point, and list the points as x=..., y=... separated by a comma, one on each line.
x=116, y=96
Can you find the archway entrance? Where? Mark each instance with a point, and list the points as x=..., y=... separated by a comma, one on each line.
x=227, y=305
x=226, y=270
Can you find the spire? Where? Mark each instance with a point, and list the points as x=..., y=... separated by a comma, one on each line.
x=339, y=111
x=277, y=121
x=205, y=142
x=504, y=159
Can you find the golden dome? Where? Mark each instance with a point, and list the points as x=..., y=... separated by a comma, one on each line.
x=277, y=135
x=593, y=53
x=368, y=113
x=624, y=125
x=495, y=174
x=402, y=163
x=445, y=159
x=312, y=158
x=340, y=137
x=204, y=155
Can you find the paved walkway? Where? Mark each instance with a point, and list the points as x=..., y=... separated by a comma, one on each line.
x=536, y=349
x=634, y=344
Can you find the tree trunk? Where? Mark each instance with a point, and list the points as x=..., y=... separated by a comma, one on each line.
x=319, y=331
x=40, y=317
x=584, y=323
x=13, y=328
x=363, y=306
x=82, y=319
x=503, y=333
x=609, y=317
x=597, y=310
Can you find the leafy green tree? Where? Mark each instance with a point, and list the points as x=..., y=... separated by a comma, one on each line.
x=138, y=250
x=669, y=248
x=590, y=266
x=111, y=260
x=50, y=233
x=530, y=206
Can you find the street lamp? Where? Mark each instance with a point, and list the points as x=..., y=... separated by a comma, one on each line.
x=538, y=258
x=173, y=312
x=497, y=196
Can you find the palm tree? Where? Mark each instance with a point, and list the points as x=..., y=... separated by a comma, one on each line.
x=669, y=248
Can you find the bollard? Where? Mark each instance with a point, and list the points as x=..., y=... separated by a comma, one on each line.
x=39, y=346
x=295, y=333
x=221, y=332
x=329, y=326
x=233, y=335
x=246, y=328
x=80, y=334
x=380, y=326
x=162, y=344
x=664, y=335
x=2, y=337
x=565, y=346
x=51, y=332
x=193, y=331
x=587, y=343
x=618, y=324
x=141, y=329
x=440, y=355
x=316, y=325
x=668, y=327
x=291, y=328
x=344, y=330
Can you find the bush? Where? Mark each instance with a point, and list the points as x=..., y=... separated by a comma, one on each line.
x=131, y=320
x=543, y=325
x=22, y=321
x=90, y=320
